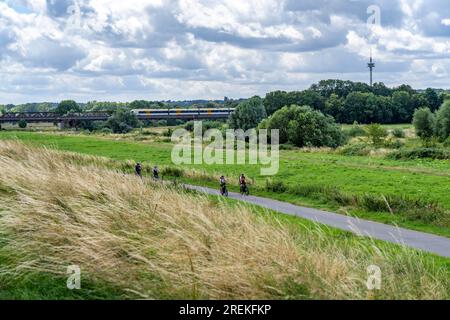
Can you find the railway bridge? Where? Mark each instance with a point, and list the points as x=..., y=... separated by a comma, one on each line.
x=142, y=114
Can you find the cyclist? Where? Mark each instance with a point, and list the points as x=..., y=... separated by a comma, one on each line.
x=138, y=170
x=223, y=186
x=243, y=184
x=156, y=173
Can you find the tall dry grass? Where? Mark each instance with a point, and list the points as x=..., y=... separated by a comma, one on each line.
x=149, y=241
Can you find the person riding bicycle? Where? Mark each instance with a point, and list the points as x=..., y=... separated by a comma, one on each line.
x=138, y=170
x=223, y=185
x=242, y=181
x=243, y=184
x=156, y=173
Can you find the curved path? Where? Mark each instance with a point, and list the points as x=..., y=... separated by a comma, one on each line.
x=418, y=240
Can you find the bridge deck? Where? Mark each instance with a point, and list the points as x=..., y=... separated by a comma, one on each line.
x=182, y=114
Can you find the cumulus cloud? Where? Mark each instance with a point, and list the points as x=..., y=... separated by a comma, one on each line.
x=186, y=49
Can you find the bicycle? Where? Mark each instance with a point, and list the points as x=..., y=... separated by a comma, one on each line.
x=245, y=190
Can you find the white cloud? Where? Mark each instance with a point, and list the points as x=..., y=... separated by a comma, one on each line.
x=164, y=49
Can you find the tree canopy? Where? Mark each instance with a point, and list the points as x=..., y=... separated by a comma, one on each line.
x=424, y=123
x=305, y=127
x=67, y=106
x=122, y=121
x=350, y=102
x=248, y=114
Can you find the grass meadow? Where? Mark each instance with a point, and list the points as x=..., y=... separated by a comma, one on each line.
x=353, y=185
x=139, y=239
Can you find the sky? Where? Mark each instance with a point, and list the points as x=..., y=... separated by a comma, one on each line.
x=116, y=50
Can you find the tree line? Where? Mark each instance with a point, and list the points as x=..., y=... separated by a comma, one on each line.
x=349, y=102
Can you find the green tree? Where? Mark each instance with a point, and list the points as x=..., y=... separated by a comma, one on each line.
x=67, y=106
x=401, y=106
x=376, y=133
x=280, y=120
x=443, y=121
x=22, y=124
x=276, y=100
x=380, y=89
x=424, y=123
x=433, y=99
x=335, y=107
x=248, y=114
x=122, y=121
x=304, y=126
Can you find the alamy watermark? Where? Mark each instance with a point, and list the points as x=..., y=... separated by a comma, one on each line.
x=373, y=278
x=251, y=147
x=374, y=13
x=74, y=277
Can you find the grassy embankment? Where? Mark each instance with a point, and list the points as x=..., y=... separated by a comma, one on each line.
x=412, y=194
x=135, y=239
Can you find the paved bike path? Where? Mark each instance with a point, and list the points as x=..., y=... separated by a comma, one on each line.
x=414, y=239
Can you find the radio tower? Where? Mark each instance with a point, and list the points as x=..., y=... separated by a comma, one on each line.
x=371, y=66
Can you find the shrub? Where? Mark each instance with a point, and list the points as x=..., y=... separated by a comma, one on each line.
x=276, y=186
x=443, y=121
x=447, y=143
x=305, y=127
x=424, y=123
x=394, y=144
x=172, y=172
x=123, y=121
x=359, y=149
x=162, y=123
x=106, y=131
x=168, y=132
x=376, y=133
x=22, y=124
x=420, y=153
x=189, y=126
x=398, y=133
x=287, y=146
x=98, y=125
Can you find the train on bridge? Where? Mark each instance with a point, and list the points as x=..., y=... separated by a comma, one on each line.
x=142, y=114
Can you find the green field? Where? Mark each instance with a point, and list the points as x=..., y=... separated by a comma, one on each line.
x=425, y=180
x=65, y=209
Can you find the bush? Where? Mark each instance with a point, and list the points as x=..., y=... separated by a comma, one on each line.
x=355, y=131
x=276, y=186
x=420, y=153
x=168, y=133
x=123, y=121
x=248, y=114
x=376, y=134
x=22, y=124
x=398, y=133
x=106, y=131
x=98, y=125
x=447, y=143
x=189, y=126
x=305, y=127
x=424, y=122
x=172, y=172
x=443, y=121
x=359, y=149
x=397, y=144
x=288, y=147
x=162, y=123
x=394, y=144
